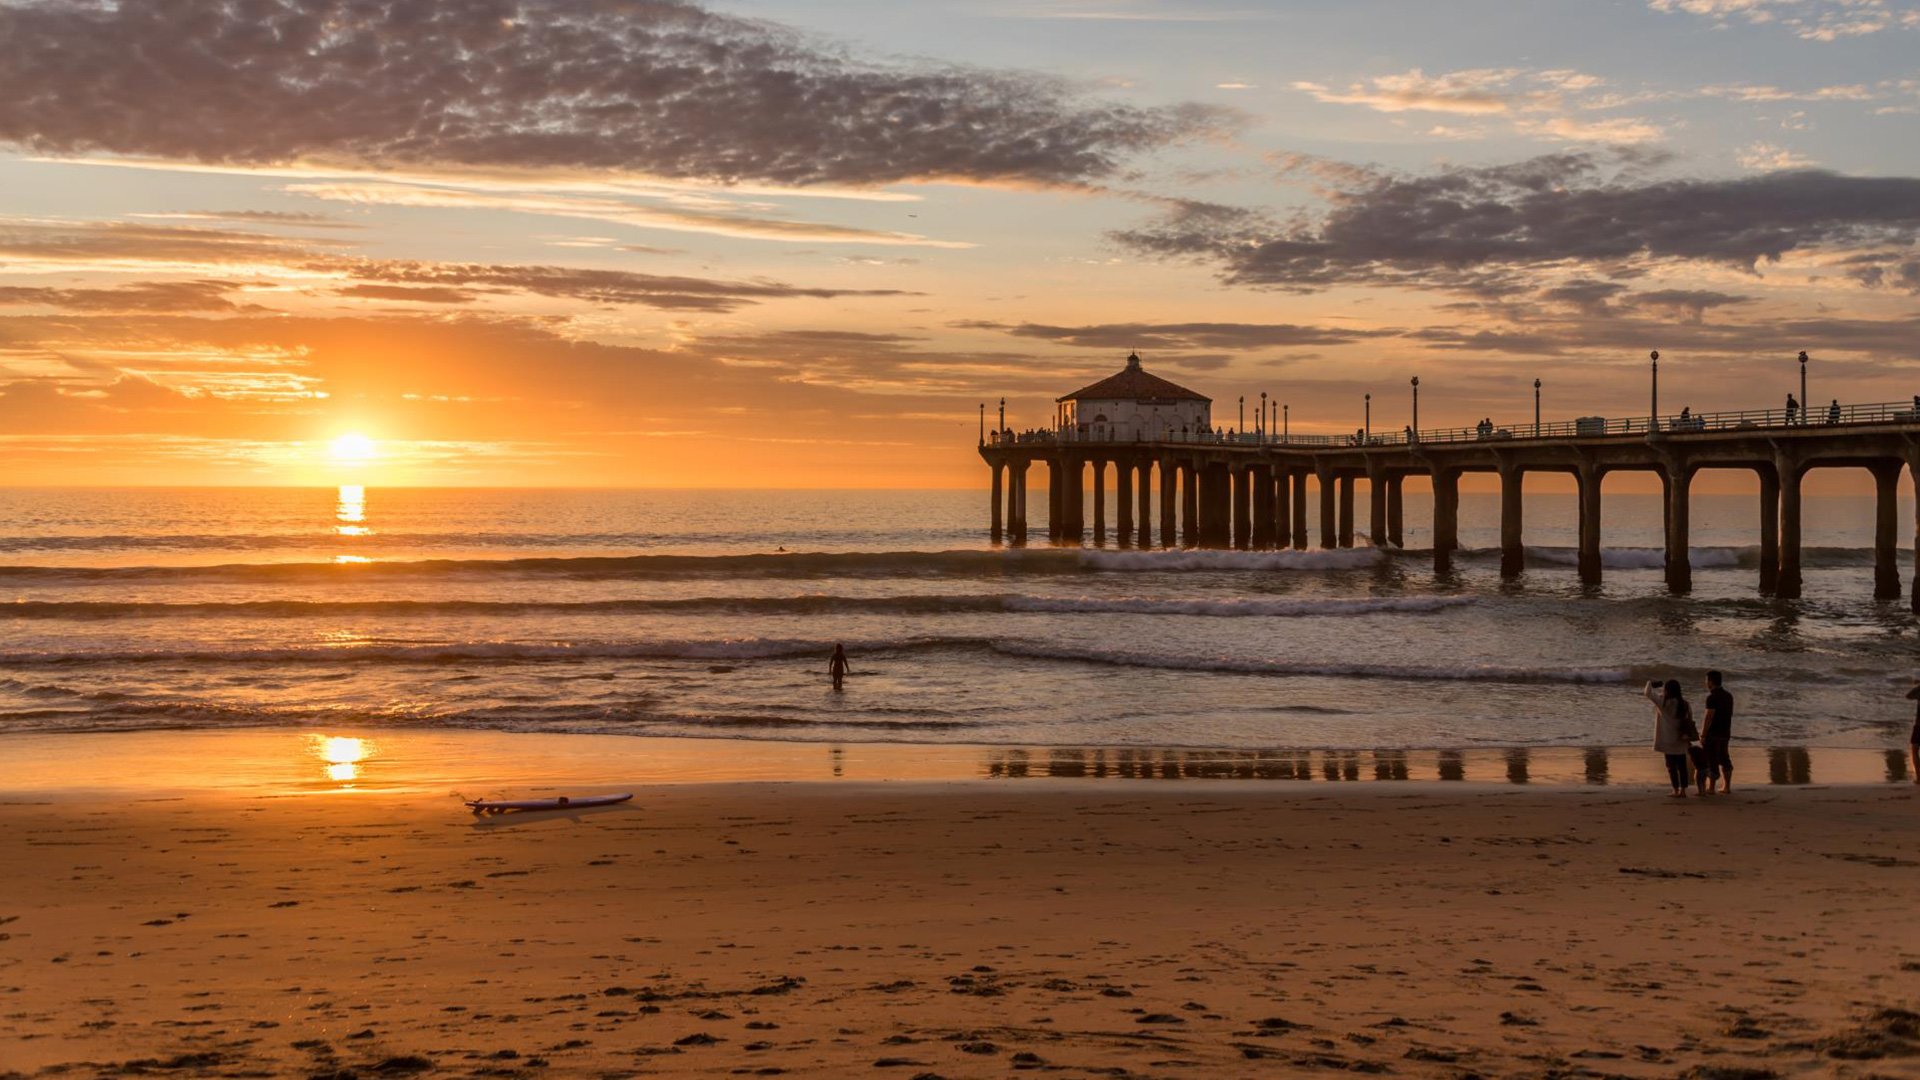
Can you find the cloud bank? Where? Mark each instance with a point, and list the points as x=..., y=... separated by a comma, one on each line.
x=1481, y=229
x=656, y=87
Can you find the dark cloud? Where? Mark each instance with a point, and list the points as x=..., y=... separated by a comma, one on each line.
x=1880, y=270
x=106, y=241
x=1195, y=361
x=650, y=86
x=146, y=296
x=666, y=292
x=1486, y=229
x=1484, y=340
x=1625, y=333
x=1586, y=294
x=1172, y=336
x=1595, y=298
x=1689, y=304
x=877, y=362
x=417, y=294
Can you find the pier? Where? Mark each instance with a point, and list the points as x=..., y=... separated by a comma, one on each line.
x=1252, y=491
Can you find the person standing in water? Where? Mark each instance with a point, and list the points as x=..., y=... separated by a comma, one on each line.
x=1672, y=716
x=837, y=667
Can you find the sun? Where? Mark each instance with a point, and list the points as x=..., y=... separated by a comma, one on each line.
x=352, y=448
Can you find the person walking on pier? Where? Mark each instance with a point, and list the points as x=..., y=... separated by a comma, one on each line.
x=1672, y=730
x=1715, y=736
x=1793, y=407
x=838, y=668
x=1833, y=412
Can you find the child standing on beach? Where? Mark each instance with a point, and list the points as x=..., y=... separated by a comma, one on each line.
x=1672, y=719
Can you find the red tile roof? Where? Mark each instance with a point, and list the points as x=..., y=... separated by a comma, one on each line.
x=1134, y=384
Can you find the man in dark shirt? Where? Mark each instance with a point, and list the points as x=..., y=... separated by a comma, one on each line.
x=1913, y=741
x=1716, y=733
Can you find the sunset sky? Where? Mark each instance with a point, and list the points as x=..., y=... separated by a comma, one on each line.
x=774, y=243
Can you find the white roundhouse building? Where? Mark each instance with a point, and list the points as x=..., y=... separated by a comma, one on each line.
x=1132, y=404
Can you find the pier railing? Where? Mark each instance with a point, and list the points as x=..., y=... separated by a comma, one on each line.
x=1585, y=427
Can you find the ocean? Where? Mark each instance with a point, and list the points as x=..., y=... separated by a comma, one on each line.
x=711, y=614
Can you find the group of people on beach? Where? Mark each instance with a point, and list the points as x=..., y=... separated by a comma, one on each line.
x=1696, y=752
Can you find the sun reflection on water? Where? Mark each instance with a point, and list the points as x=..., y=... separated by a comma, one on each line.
x=350, y=513
x=342, y=756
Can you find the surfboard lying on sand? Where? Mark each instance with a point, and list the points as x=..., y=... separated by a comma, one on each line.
x=501, y=806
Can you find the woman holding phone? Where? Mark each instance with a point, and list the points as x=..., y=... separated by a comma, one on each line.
x=1673, y=730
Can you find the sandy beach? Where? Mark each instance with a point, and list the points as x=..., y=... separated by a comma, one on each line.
x=963, y=929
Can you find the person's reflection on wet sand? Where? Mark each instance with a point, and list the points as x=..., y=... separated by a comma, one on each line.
x=1453, y=766
x=1789, y=765
x=1896, y=767
x=1517, y=761
x=1596, y=760
x=1390, y=765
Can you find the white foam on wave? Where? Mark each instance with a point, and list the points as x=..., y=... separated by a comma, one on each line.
x=1639, y=558
x=1256, y=606
x=718, y=649
x=1356, y=558
x=1255, y=666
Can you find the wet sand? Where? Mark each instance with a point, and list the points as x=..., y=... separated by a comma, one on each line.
x=513, y=764
x=965, y=929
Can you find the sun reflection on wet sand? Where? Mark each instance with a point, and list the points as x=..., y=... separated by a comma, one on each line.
x=342, y=755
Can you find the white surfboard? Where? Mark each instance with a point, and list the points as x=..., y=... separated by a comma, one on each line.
x=563, y=802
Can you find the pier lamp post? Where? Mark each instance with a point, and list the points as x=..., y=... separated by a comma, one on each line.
x=1243, y=414
x=983, y=423
x=1416, y=410
x=1536, y=408
x=1805, y=405
x=1003, y=414
x=1286, y=421
x=1653, y=417
x=1367, y=428
x=1262, y=422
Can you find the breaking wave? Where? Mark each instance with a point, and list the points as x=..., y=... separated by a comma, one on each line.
x=781, y=648
x=809, y=604
x=1254, y=666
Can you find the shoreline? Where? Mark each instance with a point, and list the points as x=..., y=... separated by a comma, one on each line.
x=286, y=761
